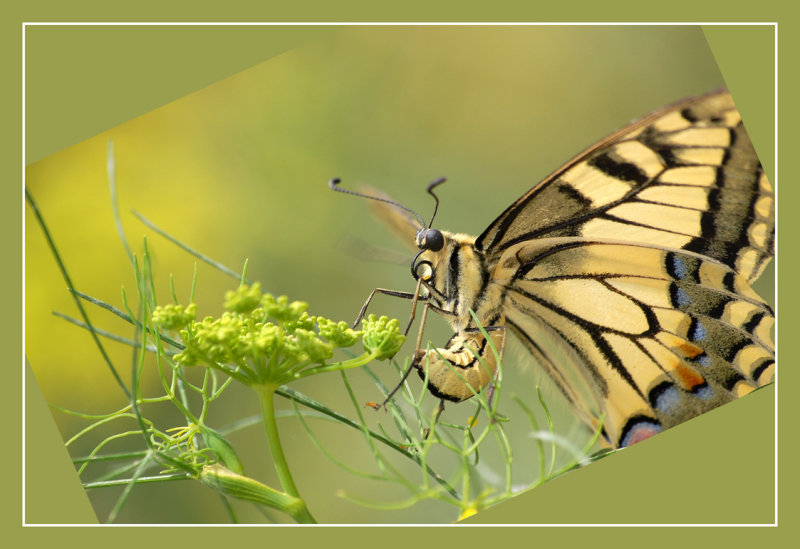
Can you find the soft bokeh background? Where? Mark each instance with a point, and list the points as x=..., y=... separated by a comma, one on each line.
x=238, y=171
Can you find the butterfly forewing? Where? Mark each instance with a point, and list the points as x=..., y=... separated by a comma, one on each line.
x=686, y=177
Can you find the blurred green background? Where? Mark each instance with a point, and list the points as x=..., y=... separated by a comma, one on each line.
x=238, y=170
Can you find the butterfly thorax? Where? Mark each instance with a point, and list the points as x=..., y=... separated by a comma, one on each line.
x=458, y=281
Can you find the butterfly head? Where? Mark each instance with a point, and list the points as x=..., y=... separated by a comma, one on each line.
x=430, y=239
x=425, y=266
x=427, y=238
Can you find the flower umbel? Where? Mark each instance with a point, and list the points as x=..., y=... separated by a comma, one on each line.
x=244, y=299
x=264, y=340
x=382, y=336
x=174, y=317
x=338, y=334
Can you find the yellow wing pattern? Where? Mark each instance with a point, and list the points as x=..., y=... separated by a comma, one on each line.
x=685, y=177
x=636, y=257
x=657, y=336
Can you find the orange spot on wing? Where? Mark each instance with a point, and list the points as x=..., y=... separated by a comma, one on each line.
x=689, y=349
x=689, y=378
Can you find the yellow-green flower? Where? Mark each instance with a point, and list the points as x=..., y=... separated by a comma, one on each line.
x=382, y=337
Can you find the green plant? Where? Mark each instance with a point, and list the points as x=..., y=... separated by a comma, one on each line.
x=266, y=343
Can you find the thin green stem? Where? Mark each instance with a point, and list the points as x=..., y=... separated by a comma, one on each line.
x=552, y=431
x=123, y=498
x=138, y=480
x=266, y=395
x=535, y=426
x=356, y=362
x=195, y=253
x=110, y=457
x=51, y=243
x=112, y=187
x=465, y=482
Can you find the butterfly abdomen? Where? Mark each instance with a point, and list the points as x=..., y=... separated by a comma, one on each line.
x=462, y=368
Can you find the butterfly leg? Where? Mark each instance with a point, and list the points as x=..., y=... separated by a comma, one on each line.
x=415, y=296
x=418, y=353
x=394, y=293
x=419, y=342
x=426, y=433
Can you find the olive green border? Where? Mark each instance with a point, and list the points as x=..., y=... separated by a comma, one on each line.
x=354, y=11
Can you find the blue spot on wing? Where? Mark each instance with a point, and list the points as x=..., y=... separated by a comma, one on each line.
x=703, y=360
x=704, y=392
x=668, y=401
x=682, y=298
x=679, y=267
x=698, y=331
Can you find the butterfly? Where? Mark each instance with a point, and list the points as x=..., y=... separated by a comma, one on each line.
x=626, y=274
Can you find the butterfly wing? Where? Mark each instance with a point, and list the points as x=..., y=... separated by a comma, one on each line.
x=685, y=177
x=649, y=336
x=636, y=259
x=403, y=225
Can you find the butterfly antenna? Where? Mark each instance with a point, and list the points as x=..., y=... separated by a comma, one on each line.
x=334, y=184
x=432, y=185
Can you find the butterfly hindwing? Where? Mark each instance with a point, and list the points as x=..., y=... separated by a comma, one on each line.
x=399, y=222
x=659, y=335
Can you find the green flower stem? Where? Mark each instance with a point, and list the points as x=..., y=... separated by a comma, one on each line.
x=357, y=362
x=266, y=394
x=241, y=487
x=240, y=374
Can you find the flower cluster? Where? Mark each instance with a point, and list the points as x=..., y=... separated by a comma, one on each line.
x=261, y=339
x=382, y=336
x=174, y=317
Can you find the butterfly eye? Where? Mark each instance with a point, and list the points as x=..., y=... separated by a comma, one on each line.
x=430, y=239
